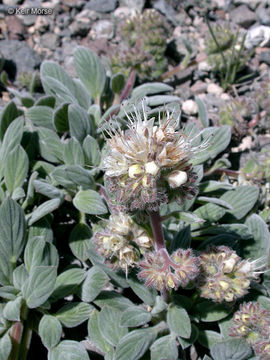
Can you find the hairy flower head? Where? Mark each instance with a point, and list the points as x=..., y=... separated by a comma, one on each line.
x=121, y=241
x=149, y=164
x=224, y=275
x=252, y=323
x=161, y=271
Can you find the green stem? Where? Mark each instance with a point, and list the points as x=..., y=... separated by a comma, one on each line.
x=82, y=218
x=25, y=342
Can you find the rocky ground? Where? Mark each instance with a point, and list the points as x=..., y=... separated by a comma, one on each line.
x=26, y=40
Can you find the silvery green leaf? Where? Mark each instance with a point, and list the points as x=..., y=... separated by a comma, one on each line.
x=208, y=338
x=89, y=202
x=91, y=151
x=234, y=349
x=203, y=113
x=20, y=275
x=79, y=122
x=73, y=152
x=209, y=311
x=50, y=331
x=260, y=244
x=242, y=200
x=8, y=292
x=38, y=252
x=164, y=348
x=41, y=116
x=179, y=321
x=93, y=284
x=47, y=189
x=16, y=168
x=12, y=309
x=95, y=334
x=39, y=286
x=5, y=347
x=68, y=350
x=135, y=316
x=50, y=145
x=109, y=325
x=42, y=210
x=9, y=113
x=67, y=282
x=149, y=89
x=90, y=70
x=134, y=345
x=147, y=295
x=74, y=314
x=12, y=230
x=60, y=118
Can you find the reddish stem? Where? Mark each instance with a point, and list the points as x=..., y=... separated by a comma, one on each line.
x=156, y=224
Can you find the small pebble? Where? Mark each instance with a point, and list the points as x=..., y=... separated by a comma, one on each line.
x=190, y=107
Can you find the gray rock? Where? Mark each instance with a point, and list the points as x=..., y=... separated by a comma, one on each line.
x=74, y=3
x=11, y=2
x=18, y=52
x=102, y=29
x=132, y=4
x=263, y=15
x=63, y=21
x=103, y=6
x=243, y=16
x=259, y=35
x=166, y=9
x=265, y=57
x=29, y=20
x=49, y=41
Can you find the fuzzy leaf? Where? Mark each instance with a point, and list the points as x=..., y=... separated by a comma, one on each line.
x=91, y=151
x=242, y=200
x=95, y=334
x=60, y=118
x=67, y=282
x=202, y=110
x=16, y=168
x=12, y=230
x=73, y=153
x=74, y=314
x=133, y=345
x=260, y=244
x=135, y=316
x=234, y=349
x=5, y=347
x=90, y=70
x=209, y=311
x=9, y=113
x=41, y=116
x=79, y=241
x=95, y=281
x=42, y=210
x=12, y=309
x=39, y=286
x=109, y=325
x=79, y=122
x=89, y=202
x=147, y=295
x=179, y=322
x=68, y=350
x=50, y=331
x=164, y=348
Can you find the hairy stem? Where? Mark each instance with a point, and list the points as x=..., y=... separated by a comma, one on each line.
x=156, y=224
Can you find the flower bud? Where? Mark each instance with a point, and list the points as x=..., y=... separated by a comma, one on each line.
x=151, y=168
x=177, y=178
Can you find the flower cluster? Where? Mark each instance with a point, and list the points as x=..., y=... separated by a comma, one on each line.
x=148, y=164
x=161, y=271
x=144, y=45
x=252, y=323
x=224, y=275
x=121, y=241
